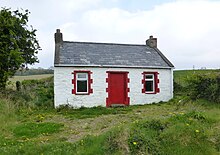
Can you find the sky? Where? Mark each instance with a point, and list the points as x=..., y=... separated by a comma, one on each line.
x=188, y=31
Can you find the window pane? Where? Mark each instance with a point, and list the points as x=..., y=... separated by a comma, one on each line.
x=82, y=75
x=149, y=76
x=149, y=86
x=82, y=86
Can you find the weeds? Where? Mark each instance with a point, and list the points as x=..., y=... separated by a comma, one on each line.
x=30, y=126
x=83, y=112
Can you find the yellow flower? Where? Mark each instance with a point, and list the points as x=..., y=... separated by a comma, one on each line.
x=197, y=131
x=135, y=143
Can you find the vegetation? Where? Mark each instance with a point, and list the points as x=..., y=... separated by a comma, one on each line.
x=206, y=86
x=18, y=43
x=38, y=71
x=29, y=124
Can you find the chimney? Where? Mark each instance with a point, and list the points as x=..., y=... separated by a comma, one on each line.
x=58, y=37
x=152, y=42
x=58, y=43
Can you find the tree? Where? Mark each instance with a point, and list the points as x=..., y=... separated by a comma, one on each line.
x=18, y=43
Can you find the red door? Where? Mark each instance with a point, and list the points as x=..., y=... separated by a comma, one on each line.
x=117, y=88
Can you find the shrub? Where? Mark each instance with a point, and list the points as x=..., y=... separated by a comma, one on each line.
x=41, y=91
x=31, y=93
x=206, y=86
x=177, y=87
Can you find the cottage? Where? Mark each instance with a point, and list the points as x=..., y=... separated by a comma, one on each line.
x=108, y=74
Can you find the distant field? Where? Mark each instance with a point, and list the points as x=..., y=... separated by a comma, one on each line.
x=30, y=77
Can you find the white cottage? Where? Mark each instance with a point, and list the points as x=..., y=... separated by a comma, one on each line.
x=107, y=74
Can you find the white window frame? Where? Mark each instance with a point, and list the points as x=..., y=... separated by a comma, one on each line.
x=82, y=79
x=153, y=80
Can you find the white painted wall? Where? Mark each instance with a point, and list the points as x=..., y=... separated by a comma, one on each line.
x=63, y=86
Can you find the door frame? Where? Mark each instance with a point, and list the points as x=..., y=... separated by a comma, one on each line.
x=127, y=90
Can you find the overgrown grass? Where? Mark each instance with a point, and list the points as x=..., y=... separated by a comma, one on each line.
x=180, y=126
x=188, y=128
x=83, y=112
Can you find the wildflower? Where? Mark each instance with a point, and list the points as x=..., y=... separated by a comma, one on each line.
x=197, y=131
x=187, y=124
x=135, y=143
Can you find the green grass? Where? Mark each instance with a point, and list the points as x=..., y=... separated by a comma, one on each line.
x=180, y=76
x=177, y=127
x=180, y=126
x=30, y=77
x=82, y=113
x=12, y=81
x=30, y=130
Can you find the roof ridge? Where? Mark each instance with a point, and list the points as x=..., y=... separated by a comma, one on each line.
x=123, y=44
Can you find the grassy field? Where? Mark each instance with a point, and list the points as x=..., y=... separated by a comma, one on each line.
x=176, y=127
x=30, y=77
x=180, y=126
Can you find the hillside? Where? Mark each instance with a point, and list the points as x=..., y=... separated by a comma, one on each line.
x=181, y=126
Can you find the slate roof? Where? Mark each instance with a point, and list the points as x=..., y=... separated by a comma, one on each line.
x=109, y=55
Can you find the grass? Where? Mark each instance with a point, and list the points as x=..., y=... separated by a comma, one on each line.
x=82, y=112
x=12, y=81
x=174, y=127
x=180, y=76
x=26, y=129
x=180, y=126
x=30, y=77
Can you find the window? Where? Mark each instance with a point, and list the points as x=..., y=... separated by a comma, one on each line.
x=82, y=83
x=150, y=83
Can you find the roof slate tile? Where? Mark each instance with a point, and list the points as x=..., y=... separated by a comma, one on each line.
x=109, y=54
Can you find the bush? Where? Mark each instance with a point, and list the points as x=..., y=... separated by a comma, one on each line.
x=41, y=91
x=206, y=86
x=32, y=93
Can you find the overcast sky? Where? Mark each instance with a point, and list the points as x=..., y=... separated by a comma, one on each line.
x=188, y=31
